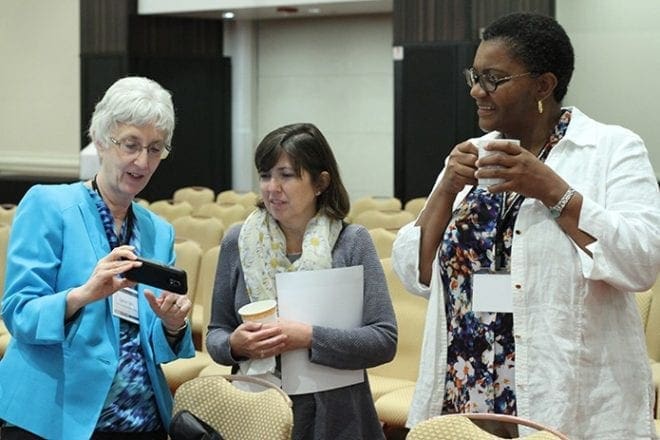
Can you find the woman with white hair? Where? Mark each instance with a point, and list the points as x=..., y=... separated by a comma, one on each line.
x=83, y=361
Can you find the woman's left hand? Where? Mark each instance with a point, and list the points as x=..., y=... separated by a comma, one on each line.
x=522, y=172
x=171, y=308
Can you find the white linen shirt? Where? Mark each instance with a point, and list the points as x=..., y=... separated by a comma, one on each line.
x=581, y=361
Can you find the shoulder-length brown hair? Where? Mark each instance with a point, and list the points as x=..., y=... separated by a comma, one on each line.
x=308, y=150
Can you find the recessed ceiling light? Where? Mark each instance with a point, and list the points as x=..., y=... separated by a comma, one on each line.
x=228, y=15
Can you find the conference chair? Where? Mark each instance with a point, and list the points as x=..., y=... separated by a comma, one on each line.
x=169, y=210
x=376, y=203
x=4, y=242
x=206, y=231
x=414, y=206
x=230, y=197
x=235, y=413
x=390, y=220
x=227, y=214
x=462, y=426
x=392, y=384
x=383, y=240
x=195, y=195
x=204, y=295
x=7, y=211
x=648, y=305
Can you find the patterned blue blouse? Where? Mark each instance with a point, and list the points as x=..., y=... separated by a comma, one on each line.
x=131, y=403
x=481, y=349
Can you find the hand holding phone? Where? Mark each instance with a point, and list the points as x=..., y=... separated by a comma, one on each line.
x=159, y=275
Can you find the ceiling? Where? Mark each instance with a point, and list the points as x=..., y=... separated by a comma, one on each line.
x=264, y=9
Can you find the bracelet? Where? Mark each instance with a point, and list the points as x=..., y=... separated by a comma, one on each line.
x=556, y=210
x=178, y=330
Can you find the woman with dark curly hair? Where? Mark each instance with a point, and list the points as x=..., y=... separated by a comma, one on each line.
x=529, y=277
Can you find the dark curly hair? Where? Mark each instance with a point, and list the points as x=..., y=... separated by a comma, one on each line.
x=539, y=42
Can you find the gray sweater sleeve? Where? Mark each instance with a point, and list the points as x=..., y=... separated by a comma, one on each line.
x=371, y=344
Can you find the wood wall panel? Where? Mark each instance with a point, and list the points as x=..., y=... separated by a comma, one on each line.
x=425, y=21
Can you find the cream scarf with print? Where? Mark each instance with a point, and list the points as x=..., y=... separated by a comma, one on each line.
x=262, y=250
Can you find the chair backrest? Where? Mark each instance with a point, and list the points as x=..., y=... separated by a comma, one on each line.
x=376, y=203
x=204, y=295
x=195, y=195
x=414, y=206
x=227, y=214
x=206, y=231
x=4, y=241
x=383, y=240
x=189, y=258
x=230, y=197
x=235, y=413
x=7, y=211
x=652, y=321
x=410, y=311
x=169, y=210
x=461, y=426
x=390, y=220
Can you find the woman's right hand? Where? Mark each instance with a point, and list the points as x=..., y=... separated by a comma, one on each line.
x=255, y=340
x=104, y=280
x=460, y=168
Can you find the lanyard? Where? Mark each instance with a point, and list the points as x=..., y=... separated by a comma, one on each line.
x=108, y=221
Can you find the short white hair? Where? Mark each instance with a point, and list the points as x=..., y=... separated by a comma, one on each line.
x=134, y=101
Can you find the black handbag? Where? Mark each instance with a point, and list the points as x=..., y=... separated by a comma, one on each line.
x=187, y=426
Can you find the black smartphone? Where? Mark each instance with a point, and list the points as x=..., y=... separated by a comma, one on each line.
x=159, y=275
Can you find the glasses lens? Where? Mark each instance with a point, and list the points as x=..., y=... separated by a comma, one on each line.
x=470, y=77
x=130, y=148
x=488, y=83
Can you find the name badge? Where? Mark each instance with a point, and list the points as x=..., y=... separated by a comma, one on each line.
x=492, y=293
x=125, y=305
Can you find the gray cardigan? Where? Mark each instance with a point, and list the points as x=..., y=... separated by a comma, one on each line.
x=344, y=413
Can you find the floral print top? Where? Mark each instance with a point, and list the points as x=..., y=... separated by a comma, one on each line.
x=481, y=349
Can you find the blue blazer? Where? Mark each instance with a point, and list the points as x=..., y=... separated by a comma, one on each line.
x=55, y=375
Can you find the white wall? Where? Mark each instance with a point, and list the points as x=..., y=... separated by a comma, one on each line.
x=40, y=88
x=336, y=73
x=617, y=43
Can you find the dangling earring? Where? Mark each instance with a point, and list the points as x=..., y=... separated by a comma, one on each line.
x=318, y=193
x=540, y=105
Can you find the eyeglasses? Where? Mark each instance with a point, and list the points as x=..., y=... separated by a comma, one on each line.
x=489, y=81
x=131, y=148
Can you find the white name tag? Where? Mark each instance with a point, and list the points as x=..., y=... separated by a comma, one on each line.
x=492, y=293
x=125, y=305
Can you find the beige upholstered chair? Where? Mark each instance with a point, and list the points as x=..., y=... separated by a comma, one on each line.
x=235, y=413
x=227, y=214
x=461, y=426
x=206, y=231
x=400, y=372
x=169, y=210
x=203, y=297
x=7, y=211
x=648, y=304
x=375, y=203
x=4, y=242
x=230, y=197
x=189, y=257
x=414, y=206
x=195, y=195
x=390, y=220
x=383, y=240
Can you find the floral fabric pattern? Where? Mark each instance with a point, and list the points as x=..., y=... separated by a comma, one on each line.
x=481, y=349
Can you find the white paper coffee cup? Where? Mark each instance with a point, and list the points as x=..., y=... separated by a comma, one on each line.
x=259, y=311
x=481, y=143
